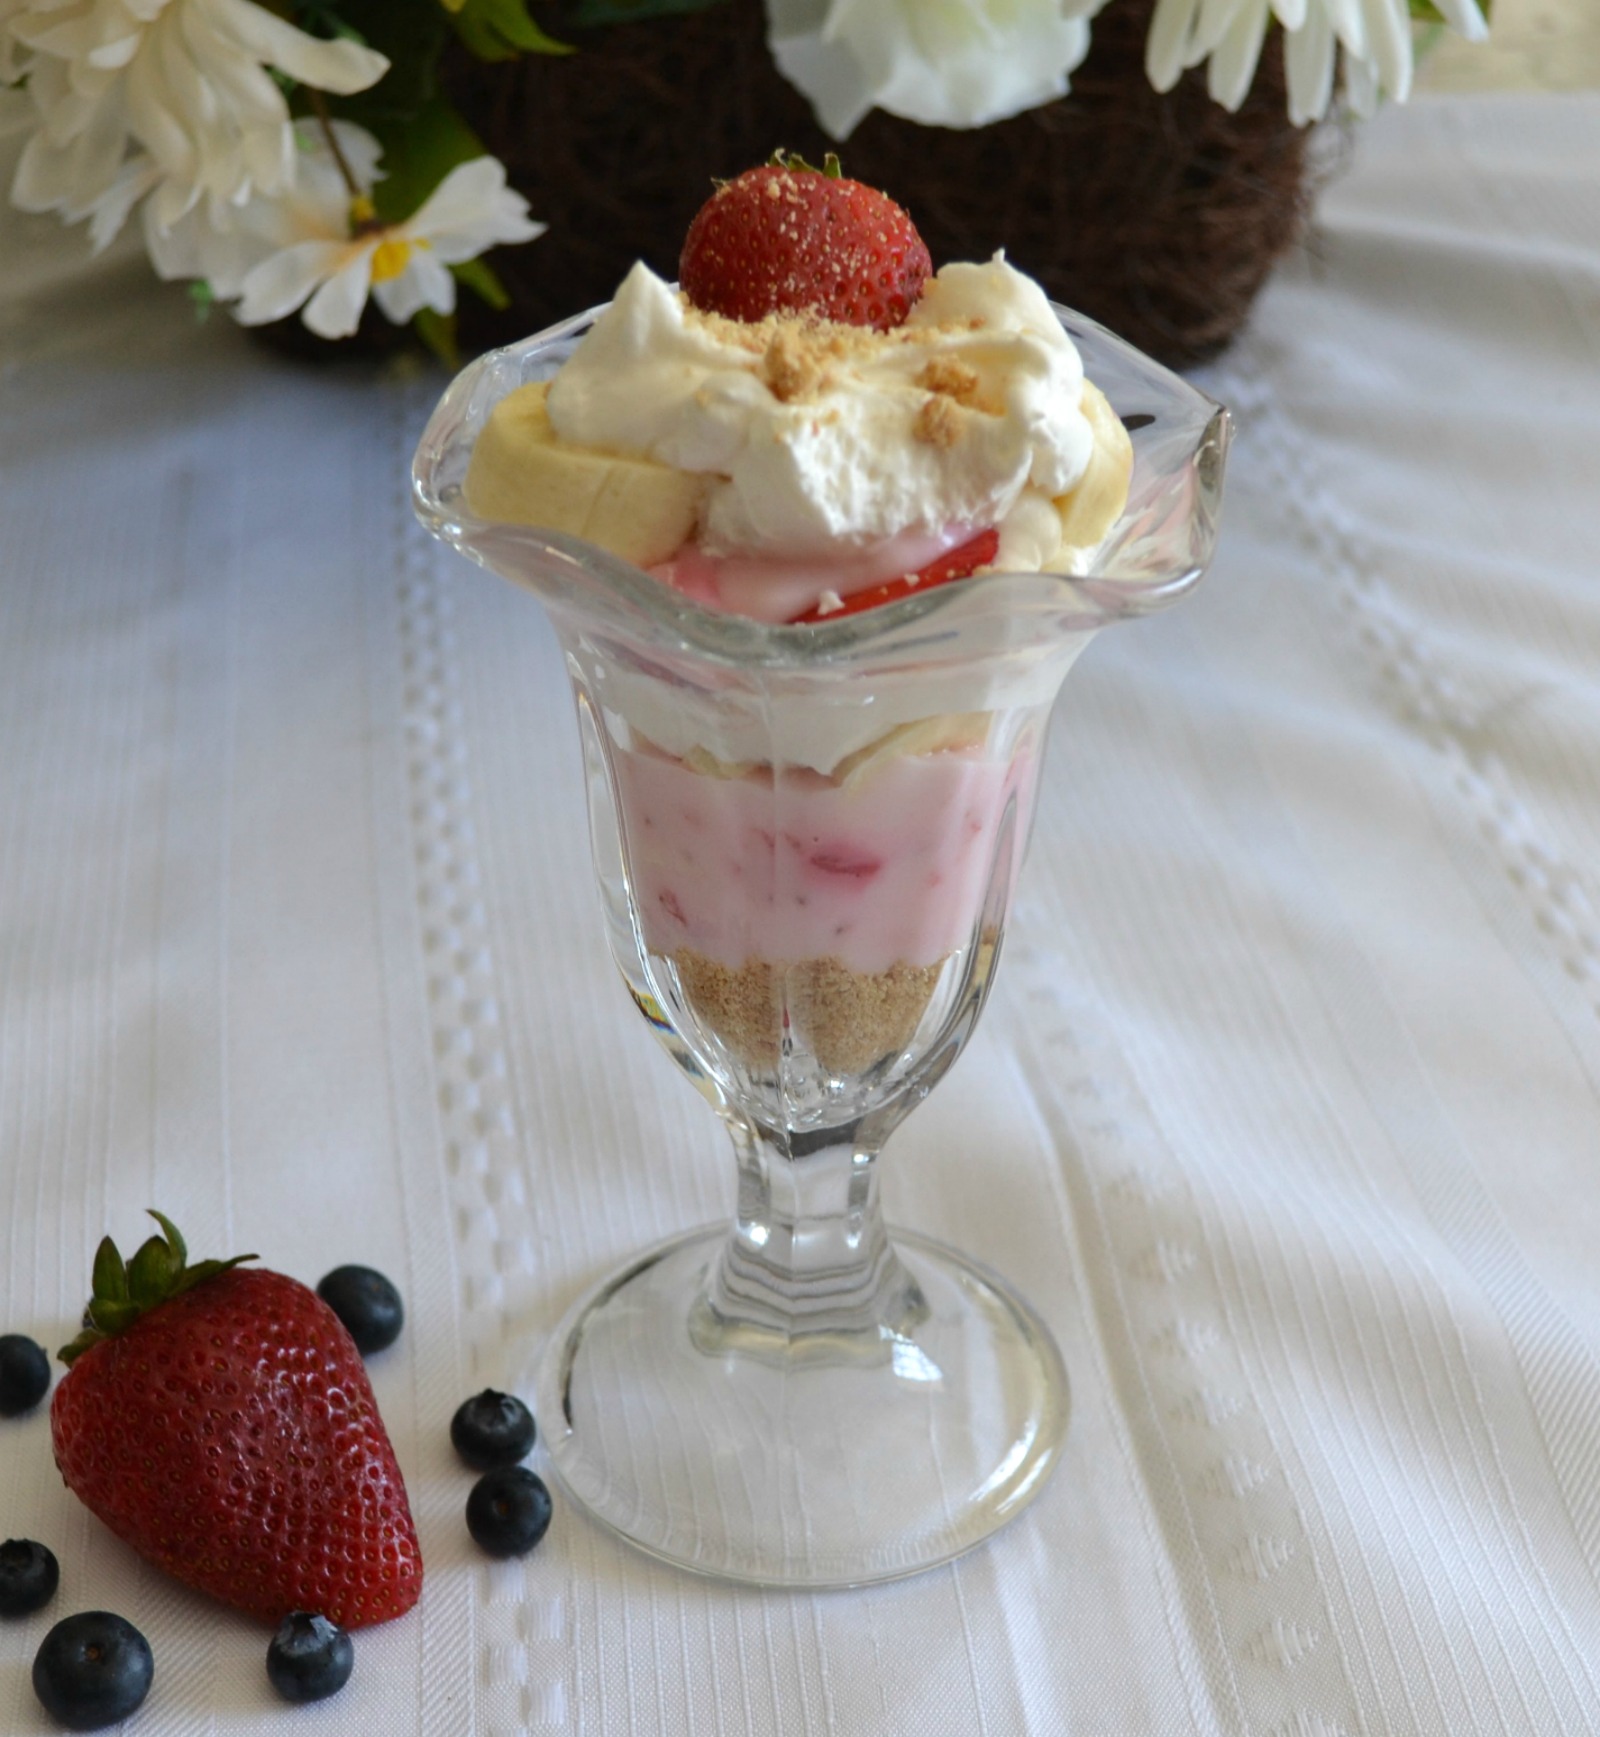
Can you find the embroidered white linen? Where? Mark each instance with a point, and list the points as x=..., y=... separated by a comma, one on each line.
x=1285, y=1111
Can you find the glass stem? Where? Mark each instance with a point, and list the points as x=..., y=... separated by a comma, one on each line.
x=808, y=1268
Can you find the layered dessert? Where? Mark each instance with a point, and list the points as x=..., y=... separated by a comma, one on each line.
x=812, y=425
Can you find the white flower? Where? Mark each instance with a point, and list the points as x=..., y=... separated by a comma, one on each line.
x=1375, y=36
x=166, y=97
x=317, y=207
x=309, y=247
x=946, y=63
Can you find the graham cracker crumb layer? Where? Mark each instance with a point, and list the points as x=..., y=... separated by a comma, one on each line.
x=847, y=1019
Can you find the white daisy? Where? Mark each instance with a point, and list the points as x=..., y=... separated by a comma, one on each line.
x=1375, y=36
x=317, y=207
x=166, y=97
x=320, y=248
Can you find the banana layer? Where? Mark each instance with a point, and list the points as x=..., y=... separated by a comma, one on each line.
x=945, y=733
x=522, y=474
x=1095, y=505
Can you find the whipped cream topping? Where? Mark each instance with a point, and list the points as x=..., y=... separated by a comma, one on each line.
x=823, y=438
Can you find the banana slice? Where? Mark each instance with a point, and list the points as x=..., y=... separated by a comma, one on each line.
x=522, y=473
x=1095, y=505
x=703, y=761
x=946, y=733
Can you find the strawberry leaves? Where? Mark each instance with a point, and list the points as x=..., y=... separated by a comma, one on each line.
x=125, y=1290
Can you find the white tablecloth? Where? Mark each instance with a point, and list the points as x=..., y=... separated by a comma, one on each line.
x=1286, y=1112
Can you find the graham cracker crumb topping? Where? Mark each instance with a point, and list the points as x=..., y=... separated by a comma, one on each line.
x=953, y=379
x=791, y=367
x=937, y=423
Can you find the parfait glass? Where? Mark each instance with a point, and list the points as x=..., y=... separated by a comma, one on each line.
x=806, y=841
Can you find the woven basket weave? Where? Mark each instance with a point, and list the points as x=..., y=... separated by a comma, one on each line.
x=1160, y=216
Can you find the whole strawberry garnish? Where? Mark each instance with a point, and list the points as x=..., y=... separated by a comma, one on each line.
x=219, y=1420
x=790, y=239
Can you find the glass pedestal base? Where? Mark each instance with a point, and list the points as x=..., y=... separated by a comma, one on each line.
x=821, y=1464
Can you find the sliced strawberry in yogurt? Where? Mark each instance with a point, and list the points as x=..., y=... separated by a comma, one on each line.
x=958, y=563
x=845, y=862
x=805, y=588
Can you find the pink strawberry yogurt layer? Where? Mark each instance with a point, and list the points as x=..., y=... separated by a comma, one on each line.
x=891, y=871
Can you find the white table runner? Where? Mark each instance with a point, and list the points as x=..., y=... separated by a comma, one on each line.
x=1286, y=1112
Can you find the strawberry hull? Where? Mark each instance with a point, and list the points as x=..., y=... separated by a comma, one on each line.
x=231, y=1438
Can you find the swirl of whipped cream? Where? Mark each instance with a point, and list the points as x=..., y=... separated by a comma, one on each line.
x=821, y=438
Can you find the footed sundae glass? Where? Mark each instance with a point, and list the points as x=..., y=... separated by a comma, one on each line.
x=807, y=839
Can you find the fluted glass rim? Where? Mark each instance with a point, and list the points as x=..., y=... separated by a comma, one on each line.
x=569, y=573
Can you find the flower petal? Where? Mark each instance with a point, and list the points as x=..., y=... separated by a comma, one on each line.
x=950, y=63
x=1308, y=55
x=360, y=150
x=1360, y=85
x=136, y=177
x=824, y=69
x=161, y=94
x=17, y=113
x=282, y=281
x=471, y=210
x=193, y=247
x=1389, y=46
x=340, y=67
x=1348, y=26
x=70, y=177
x=1213, y=22
x=335, y=310
x=963, y=63
x=171, y=201
x=425, y=283
x=1465, y=16
x=1233, y=65
x=1166, y=48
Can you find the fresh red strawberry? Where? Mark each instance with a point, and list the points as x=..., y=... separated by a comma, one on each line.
x=787, y=238
x=219, y=1420
x=958, y=563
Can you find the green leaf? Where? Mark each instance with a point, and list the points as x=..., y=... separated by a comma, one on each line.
x=417, y=155
x=113, y=1317
x=484, y=282
x=501, y=30
x=75, y=1348
x=831, y=168
x=198, y=1274
x=151, y=1273
x=438, y=332
x=158, y=1271
x=110, y=1273
x=174, y=1236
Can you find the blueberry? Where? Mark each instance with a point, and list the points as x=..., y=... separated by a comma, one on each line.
x=491, y=1430
x=24, y=1374
x=310, y=1657
x=92, y=1670
x=508, y=1511
x=29, y=1576
x=367, y=1303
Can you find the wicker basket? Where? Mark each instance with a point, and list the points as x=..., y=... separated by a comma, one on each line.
x=1161, y=216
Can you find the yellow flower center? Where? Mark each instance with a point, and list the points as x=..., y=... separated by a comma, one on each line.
x=389, y=259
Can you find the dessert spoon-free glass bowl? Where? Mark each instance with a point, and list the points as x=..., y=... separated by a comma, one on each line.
x=806, y=841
